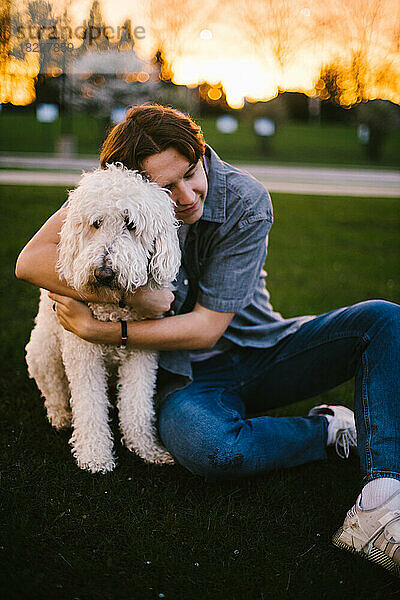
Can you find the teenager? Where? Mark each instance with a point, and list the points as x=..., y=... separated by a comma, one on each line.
x=225, y=353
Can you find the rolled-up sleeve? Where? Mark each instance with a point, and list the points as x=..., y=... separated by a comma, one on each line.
x=231, y=269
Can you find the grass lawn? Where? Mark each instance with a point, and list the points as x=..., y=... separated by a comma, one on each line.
x=328, y=144
x=145, y=532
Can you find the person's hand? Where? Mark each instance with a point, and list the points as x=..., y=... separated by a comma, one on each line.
x=75, y=316
x=150, y=304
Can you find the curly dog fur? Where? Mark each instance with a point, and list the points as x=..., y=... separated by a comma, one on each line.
x=120, y=233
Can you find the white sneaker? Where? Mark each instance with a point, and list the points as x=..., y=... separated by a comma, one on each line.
x=373, y=534
x=341, y=428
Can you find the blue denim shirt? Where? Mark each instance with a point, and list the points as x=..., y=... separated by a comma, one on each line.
x=222, y=269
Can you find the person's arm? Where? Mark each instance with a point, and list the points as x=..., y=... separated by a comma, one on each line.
x=199, y=329
x=36, y=264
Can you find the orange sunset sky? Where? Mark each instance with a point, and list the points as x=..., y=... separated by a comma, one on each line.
x=252, y=48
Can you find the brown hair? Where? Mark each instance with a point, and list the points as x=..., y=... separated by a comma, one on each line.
x=149, y=129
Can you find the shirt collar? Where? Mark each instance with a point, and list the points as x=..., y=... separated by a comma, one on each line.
x=215, y=202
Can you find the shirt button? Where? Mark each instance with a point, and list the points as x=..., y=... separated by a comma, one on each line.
x=171, y=313
x=185, y=282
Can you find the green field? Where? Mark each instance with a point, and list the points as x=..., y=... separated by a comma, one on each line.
x=334, y=144
x=146, y=532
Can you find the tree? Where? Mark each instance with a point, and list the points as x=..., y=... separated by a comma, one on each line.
x=381, y=117
x=174, y=25
x=5, y=31
x=101, y=75
x=330, y=84
x=275, y=30
x=362, y=29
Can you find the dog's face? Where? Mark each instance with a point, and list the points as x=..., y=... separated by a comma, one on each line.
x=120, y=234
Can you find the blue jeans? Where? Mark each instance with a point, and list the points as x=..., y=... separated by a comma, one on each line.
x=205, y=427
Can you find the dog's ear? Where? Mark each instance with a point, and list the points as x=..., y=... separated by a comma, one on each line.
x=165, y=261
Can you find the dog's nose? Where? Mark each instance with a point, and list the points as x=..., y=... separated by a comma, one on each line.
x=104, y=275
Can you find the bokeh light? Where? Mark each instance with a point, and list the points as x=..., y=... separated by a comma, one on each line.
x=253, y=48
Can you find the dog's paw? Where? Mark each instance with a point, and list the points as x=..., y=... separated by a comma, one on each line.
x=167, y=459
x=159, y=457
x=96, y=466
x=61, y=420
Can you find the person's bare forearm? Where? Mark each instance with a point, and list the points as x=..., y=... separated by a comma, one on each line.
x=199, y=329
x=39, y=269
x=190, y=331
x=36, y=263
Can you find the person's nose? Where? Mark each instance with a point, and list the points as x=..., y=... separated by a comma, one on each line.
x=184, y=195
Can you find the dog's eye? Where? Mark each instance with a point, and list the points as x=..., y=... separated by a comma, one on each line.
x=130, y=225
x=97, y=223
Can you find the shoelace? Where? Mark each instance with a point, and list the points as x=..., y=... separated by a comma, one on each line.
x=392, y=540
x=345, y=439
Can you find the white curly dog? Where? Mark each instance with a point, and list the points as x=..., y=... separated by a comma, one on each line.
x=120, y=233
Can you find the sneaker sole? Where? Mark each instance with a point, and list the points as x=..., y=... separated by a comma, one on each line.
x=375, y=554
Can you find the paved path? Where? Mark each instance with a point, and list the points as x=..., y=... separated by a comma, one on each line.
x=38, y=178
x=329, y=181
x=50, y=170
